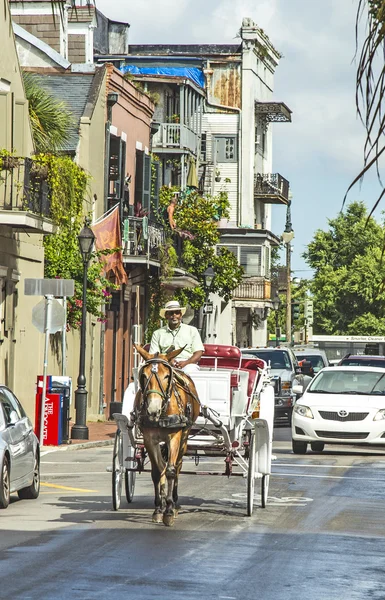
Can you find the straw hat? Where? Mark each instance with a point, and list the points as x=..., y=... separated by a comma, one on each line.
x=171, y=305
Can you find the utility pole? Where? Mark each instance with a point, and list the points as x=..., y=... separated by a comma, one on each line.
x=287, y=237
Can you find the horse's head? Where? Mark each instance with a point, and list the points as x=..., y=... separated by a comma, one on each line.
x=155, y=379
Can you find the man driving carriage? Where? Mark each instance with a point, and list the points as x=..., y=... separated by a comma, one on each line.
x=178, y=335
x=175, y=334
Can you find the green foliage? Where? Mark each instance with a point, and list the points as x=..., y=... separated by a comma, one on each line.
x=349, y=274
x=51, y=120
x=68, y=185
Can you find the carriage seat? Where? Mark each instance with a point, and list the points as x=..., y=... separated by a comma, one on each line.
x=222, y=356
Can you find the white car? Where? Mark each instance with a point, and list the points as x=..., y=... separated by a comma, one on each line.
x=342, y=405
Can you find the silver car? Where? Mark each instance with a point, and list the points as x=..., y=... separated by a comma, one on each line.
x=19, y=451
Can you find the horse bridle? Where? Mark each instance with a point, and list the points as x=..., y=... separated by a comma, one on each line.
x=164, y=393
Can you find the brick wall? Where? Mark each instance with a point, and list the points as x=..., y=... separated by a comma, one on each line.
x=76, y=48
x=43, y=27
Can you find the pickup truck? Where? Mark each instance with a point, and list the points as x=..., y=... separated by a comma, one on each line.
x=285, y=372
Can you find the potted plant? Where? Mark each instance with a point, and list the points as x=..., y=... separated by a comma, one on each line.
x=217, y=175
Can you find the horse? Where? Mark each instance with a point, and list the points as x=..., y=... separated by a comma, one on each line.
x=166, y=407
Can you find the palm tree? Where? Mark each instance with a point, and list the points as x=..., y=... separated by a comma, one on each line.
x=370, y=86
x=51, y=120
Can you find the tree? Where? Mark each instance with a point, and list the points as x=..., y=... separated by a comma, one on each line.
x=51, y=120
x=349, y=274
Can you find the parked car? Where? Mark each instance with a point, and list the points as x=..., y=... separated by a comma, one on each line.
x=342, y=405
x=359, y=360
x=317, y=357
x=285, y=371
x=19, y=451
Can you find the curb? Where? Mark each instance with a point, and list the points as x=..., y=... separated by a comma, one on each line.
x=81, y=446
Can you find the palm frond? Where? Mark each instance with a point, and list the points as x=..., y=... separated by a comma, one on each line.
x=51, y=120
x=370, y=87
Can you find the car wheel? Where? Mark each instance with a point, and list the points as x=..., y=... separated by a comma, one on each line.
x=299, y=447
x=317, y=446
x=32, y=491
x=5, y=484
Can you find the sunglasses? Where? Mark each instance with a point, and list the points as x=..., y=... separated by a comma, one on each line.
x=169, y=313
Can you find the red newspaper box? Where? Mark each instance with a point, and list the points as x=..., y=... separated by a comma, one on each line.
x=52, y=418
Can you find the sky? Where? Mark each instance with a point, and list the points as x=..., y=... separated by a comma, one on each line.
x=320, y=152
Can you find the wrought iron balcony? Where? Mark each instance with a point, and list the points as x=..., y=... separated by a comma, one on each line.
x=24, y=195
x=271, y=188
x=175, y=135
x=253, y=288
x=142, y=239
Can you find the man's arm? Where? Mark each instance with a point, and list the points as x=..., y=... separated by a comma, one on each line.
x=194, y=359
x=154, y=346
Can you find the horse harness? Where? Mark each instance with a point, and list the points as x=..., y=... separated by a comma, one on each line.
x=181, y=420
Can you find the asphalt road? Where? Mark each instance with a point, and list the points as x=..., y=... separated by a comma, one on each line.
x=322, y=535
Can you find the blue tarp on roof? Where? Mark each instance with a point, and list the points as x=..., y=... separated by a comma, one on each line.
x=193, y=73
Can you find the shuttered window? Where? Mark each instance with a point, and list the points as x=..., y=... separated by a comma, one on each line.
x=143, y=181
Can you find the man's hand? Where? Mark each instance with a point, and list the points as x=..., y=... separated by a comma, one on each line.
x=179, y=364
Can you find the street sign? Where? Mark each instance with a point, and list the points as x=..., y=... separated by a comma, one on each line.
x=208, y=308
x=49, y=287
x=57, y=316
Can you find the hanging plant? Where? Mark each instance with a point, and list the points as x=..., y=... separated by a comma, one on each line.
x=8, y=161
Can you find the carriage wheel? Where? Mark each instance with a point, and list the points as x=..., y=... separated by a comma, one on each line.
x=264, y=490
x=130, y=476
x=251, y=477
x=117, y=470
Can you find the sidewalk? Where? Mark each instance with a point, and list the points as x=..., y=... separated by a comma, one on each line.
x=100, y=433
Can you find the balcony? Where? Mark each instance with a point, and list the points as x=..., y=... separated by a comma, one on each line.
x=271, y=188
x=142, y=241
x=175, y=136
x=24, y=196
x=253, y=289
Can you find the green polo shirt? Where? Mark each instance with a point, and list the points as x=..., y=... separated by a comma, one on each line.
x=185, y=335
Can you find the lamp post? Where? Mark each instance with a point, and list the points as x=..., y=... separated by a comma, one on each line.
x=79, y=431
x=208, y=277
x=287, y=237
x=276, y=306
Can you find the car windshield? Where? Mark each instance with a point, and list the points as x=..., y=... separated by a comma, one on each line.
x=279, y=359
x=317, y=362
x=357, y=381
x=366, y=362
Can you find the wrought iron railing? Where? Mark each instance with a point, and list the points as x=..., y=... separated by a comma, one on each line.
x=23, y=186
x=271, y=184
x=142, y=237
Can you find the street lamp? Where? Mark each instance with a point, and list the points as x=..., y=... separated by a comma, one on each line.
x=276, y=306
x=208, y=277
x=79, y=431
x=287, y=237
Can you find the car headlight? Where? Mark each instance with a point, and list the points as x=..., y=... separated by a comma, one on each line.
x=380, y=415
x=304, y=411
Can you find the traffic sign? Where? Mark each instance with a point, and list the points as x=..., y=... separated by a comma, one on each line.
x=57, y=316
x=308, y=312
x=208, y=308
x=49, y=287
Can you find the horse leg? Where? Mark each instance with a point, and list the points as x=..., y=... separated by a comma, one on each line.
x=182, y=451
x=173, y=453
x=157, y=475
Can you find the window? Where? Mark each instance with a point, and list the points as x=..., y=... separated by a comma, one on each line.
x=226, y=149
x=143, y=180
x=249, y=257
x=8, y=406
x=203, y=147
x=260, y=140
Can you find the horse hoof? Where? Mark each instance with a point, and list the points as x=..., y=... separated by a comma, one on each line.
x=168, y=520
x=157, y=517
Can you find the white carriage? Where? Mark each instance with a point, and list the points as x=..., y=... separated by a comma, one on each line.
x=236, y=422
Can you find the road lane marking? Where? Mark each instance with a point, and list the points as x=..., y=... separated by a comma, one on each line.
x=326, y=476
x=325, y=466
x=75, y=473
x=69, y=489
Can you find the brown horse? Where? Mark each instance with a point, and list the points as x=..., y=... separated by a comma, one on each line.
x=166, y=407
